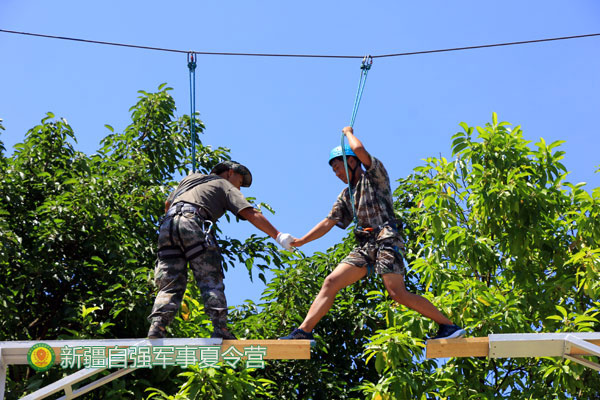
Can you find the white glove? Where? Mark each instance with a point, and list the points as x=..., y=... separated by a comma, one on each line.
x=284, y=240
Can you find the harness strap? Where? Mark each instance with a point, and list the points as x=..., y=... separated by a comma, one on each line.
x=182, y=207
x=191, y=183
x=173, y=251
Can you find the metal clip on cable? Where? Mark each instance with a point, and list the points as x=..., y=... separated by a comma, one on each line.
x=366, y=63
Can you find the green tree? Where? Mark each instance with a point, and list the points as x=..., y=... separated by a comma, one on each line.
x=504, y=244
x=495, y=237
x=78, y=233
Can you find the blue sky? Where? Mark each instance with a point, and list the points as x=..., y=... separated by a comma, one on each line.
x=281, y=116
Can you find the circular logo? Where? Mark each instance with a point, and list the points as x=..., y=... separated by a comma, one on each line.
x=40, y=357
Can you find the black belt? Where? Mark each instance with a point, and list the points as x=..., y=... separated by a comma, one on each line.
x=182, y=207
x=366, y=234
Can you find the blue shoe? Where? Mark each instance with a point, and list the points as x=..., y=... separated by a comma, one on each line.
x=298, y=334
x=449, y=332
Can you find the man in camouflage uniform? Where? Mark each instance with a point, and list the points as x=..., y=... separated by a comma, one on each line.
x=379, y=246
x=185, y=237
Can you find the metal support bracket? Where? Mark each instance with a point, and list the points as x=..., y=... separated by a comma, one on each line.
x=65, y=384
x=572, y=346
x=539, y=344
x=97, y=384
x=573, y=341
x=3, y=369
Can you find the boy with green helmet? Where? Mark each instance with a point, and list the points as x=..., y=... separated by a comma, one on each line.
x=379, y=243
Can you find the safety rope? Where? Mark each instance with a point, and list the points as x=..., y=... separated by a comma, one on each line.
x=364, y=71
x=192, y=68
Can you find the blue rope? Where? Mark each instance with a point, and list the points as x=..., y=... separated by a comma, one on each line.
x=364, y=70
x=192, y=68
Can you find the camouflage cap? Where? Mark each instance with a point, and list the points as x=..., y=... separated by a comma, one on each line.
x=236, y=167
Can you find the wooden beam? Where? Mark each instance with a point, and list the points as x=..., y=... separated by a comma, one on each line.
x=511, y=345
x=276, y=349
x=463, y=347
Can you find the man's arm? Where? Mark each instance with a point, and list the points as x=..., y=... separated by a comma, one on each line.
x=357, y=147
x=316, y=232
x=256, y=218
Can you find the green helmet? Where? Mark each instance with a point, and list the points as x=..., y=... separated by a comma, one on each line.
x=236, y=167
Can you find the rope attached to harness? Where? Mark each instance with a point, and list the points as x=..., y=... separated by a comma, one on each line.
x=192, y=68
x=364, y=70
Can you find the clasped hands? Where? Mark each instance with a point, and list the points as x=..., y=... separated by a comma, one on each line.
x=287, y=241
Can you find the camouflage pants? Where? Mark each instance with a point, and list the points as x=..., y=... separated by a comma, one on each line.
x=182, y=241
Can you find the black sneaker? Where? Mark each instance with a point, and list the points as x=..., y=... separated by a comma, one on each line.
x=222, y=333
x=298, y=334
x=449, y=332
x=156, y=331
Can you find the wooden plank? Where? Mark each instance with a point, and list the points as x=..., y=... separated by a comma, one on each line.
x=480, y=346
x=462, y=347
x=276, y=349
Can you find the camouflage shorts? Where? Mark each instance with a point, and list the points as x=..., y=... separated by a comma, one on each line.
x=383, y=257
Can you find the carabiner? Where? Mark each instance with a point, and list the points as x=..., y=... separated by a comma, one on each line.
x=207, y=230
x=367, y=62
x=191, y=61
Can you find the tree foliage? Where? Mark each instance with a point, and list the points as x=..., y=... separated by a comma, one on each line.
x=496, y=238
x=78, y=232
x=504, y=245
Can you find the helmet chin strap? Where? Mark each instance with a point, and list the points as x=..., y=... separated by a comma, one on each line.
x=352, y=171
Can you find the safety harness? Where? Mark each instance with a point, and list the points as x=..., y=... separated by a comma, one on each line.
x=180, y=208
x=368, y=236
x=205, y=241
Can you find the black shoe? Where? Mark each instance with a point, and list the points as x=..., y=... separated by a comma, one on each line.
x=156, y=331
x=298, y=334
x=223, y=333
x=449, y=332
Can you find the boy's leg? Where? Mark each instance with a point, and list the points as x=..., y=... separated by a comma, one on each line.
x=342, y=276
x=394, y=284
